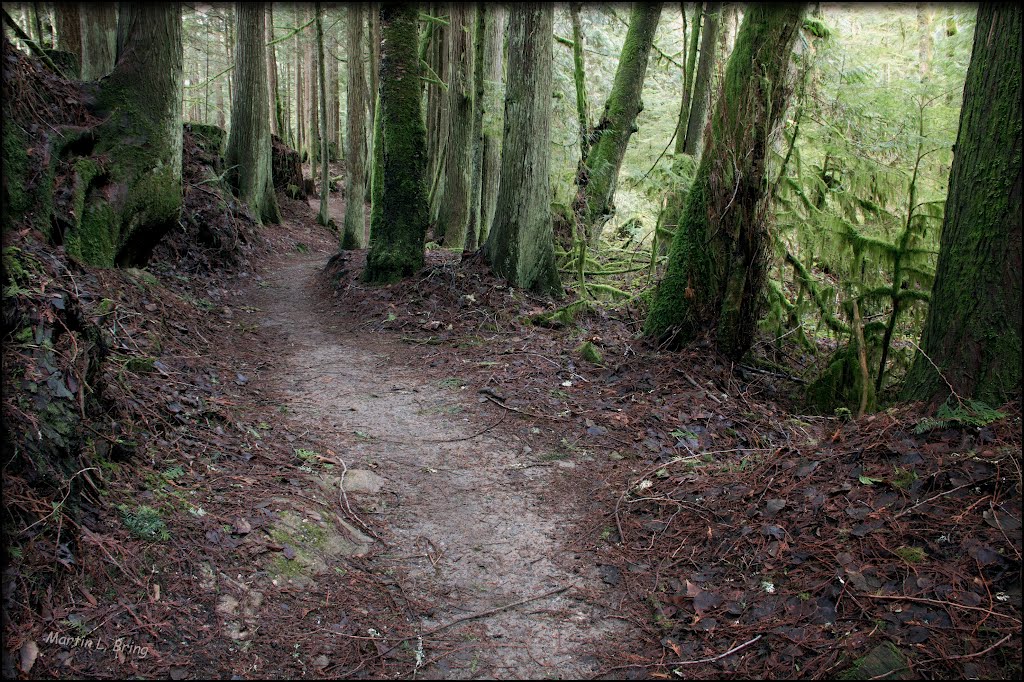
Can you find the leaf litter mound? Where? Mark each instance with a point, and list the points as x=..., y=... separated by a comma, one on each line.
x=740, y=537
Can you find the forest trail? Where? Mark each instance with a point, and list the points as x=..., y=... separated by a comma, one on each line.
x=472, y=527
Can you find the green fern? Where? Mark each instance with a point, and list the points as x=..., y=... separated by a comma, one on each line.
x=967, y=413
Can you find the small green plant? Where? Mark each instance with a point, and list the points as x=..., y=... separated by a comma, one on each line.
x=173, y=473
x=903, y=478
x=912, y=555
x=965, y=413
x=301, y=247
x=144, y=522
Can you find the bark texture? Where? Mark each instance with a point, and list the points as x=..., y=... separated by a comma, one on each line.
x=972, y=333
x=453, y=211
x=122, y=208
x=355, y=211
x=701, y=97
x=599, y=176
x=476, y=173
x=248, y=149
x=520, y=246
x=718, y=258
x=494, y=115
x=99, y=40
x=396, y=248
x=324, y=214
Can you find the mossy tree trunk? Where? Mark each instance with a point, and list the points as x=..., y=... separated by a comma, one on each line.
x=718, y=259
x=247, y=155
x=355, y=215
x=692, y=115
x=476, y=173
x=972, y=332
x=520, y=246
x=701, y=97
x=599, y=176
x=438, y=110
x=324, y=214
x=99, y=40
x=689, y=71
x=128, y=193
x=494, y=113
x=580, y=76
x=453, y=211
x=396, y=248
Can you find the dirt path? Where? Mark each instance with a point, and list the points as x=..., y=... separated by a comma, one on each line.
x=471, y=525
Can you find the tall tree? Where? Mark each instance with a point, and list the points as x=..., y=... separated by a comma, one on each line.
x=718, y=259
x=599, y=176
x=690, y=68
x=355, y=216
x=248, y=155
x=692, y=115
x=374, y=36
x=972, y=334
x=476, y=173
x=579, y=76
x=276, y=114
x=324, y=215
x=99, y=40
x=520, y=246
x=396, y=245
x=701, y=97
x=67, y=16
x=453, y=215
x=494, y=114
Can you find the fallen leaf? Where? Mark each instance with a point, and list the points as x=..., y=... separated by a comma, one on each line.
x=29, y=652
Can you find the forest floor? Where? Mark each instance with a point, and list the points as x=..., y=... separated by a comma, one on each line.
x=416, y=481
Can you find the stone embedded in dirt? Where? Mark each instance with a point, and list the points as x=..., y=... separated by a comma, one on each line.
x=362, y=481
x=609, y=574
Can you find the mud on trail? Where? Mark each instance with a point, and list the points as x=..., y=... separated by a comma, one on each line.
x=470, y=526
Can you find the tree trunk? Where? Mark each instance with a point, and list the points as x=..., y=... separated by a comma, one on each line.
x=300, y=95
x=324, y=215
x=691, y=67
x=599, y=175
x=355, y=216
x=579, y=76
x=127, y=205
x=972, y=335
x=373, y=31
x=247, y=155
x=690, y=129
x=521, y=244
x=68, y=18
x=312, y=108
x=453, y=214
x=476, y=174
x=718, y=260
x=702, y=85
x=396, y=249
x=494, y=116
x=440, y=113
x=99, y=40
x=276, y=115
x=333, y=99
